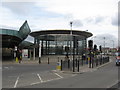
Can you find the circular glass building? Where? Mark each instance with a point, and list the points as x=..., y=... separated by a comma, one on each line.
x=61, y=42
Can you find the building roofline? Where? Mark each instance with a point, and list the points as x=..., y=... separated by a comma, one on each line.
x=61, y=31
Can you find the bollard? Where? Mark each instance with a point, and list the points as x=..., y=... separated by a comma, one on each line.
x=48, y=60
x=61, y=65
x=89, y=62
x=58, y=66
x=68, y=64
x=58, y=59
x=92, y=60
x=39, y=60
x=78, y=65
x=73, y=66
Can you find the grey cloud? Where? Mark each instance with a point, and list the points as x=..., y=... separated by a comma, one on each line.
x=99, y=19
x=77, y=23
x=89, y=20
x=8, y=27
x=94, y=20
x=99, y=40
x=115, y=20
x=22, y=8
x=69, y=16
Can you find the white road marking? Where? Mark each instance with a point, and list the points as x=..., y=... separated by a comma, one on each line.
x=40, y=78
x=16, y=82
x=35, y=83
x=51, y=79
x=58, y=75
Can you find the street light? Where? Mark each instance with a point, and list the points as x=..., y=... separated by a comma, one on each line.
x=71, y=27
x=71, y=39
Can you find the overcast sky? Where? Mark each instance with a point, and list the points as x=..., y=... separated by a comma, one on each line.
x=99, y=17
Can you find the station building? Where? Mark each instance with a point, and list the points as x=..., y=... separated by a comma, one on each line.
x=12, y=38
x=51, y=42
x=61, y=42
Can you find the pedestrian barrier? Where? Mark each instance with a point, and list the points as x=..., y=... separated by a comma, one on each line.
x=74, y=65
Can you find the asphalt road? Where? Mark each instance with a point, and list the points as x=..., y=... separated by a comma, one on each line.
x=41, y=76
x=104, y=77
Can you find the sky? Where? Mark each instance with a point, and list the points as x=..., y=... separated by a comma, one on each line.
x=99, y=17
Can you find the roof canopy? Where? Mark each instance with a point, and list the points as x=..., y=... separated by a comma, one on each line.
x=52, y=33
x=12, y=38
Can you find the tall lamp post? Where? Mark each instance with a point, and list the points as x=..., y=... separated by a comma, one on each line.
x=71, y=39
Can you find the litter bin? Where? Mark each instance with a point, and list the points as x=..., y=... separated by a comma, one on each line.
x=58, y=66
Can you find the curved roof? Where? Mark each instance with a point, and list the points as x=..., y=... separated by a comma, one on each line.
x=74, y=32
x=11, y=38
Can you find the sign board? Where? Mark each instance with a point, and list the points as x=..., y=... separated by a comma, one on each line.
x=25, y=53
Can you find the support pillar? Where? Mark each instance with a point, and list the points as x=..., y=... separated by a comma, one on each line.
x=33, y=53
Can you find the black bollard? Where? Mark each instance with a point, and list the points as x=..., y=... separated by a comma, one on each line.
x=92, y=62
x=78, y=65
x=68, y=64
x=61, y=65
x=73, y=66
x=39, y=60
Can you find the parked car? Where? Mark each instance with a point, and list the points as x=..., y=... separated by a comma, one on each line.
x=117, y=58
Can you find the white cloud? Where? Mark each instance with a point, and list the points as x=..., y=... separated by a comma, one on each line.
x=97, y=16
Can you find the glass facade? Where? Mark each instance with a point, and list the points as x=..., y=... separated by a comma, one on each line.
x=61, y=44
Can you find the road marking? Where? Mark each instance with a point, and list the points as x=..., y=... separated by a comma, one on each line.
x=58, y=75
x=35, y=83
x=51, y=79
x=16, y=82
x=40, y=78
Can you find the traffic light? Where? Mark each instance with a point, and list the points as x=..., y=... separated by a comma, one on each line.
x=100, y=48
x=90, y=44
x=95, y=47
